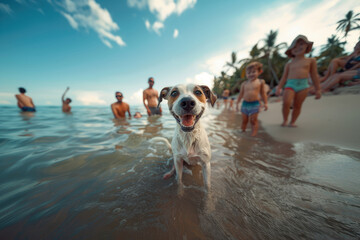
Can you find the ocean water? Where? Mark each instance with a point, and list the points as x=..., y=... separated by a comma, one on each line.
x=87, y=176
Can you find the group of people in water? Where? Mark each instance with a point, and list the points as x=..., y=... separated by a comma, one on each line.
x=294, y=87
x=119, y=108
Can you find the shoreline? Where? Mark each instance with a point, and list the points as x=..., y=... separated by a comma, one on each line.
x=332, y=120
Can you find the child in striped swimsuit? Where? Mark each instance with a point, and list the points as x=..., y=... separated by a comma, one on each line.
x=295, y=79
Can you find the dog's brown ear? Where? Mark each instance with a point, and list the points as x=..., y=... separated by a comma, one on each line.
x=209, y=94
x=163, y=94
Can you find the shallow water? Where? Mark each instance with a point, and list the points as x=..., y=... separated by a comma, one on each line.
x=86, y=176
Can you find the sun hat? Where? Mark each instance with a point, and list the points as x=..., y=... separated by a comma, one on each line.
x=304, y=38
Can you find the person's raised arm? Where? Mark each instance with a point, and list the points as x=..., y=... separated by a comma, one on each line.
x=146, y=106
x=263, y=94
x=315, y=78
x=63, y=96
x=113, y=108
x=282, y=80
x=241, y=95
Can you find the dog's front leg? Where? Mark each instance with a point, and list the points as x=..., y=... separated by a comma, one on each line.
x=207, y=175
x=179, y=164
x=204, y=160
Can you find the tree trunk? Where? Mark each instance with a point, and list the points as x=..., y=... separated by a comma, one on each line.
x=273, y=73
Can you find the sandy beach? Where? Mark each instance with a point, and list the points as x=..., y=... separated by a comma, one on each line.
x=332, y=120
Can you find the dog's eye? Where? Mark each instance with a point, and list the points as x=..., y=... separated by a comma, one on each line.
x=174, y=93
x=198, y=92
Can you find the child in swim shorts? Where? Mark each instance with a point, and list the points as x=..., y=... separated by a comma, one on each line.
x=251, y=90
x=295, y=78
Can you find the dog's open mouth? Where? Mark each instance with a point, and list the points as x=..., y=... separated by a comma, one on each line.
x=187, y=121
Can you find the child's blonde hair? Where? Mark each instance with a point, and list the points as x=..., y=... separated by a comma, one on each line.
x=258, y=66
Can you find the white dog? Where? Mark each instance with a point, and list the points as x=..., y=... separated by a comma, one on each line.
x=190, y=142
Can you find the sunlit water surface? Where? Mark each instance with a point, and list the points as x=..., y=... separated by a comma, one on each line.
x=86, y=176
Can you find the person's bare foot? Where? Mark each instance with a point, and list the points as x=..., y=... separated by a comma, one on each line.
x=283, y=124
x=253, y=134
x=292, y=125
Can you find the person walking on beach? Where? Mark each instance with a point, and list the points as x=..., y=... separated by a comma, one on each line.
x=66, y=103
x=225, y=96
x=151, y=96
x=251, y=90
x=295, y=78
x=119, y=108
x=25, y=103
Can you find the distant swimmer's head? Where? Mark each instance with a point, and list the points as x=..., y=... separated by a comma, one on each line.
x=300, y=45
x=68, y=100
x=22, y=90
x=119, y=96
x=151, y=81
x=253, y=70
x=137, y=115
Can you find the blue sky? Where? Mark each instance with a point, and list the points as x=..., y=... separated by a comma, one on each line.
x=97, y=47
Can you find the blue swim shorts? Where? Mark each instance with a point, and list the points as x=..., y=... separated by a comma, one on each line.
x=297, y=85
x=28, y=109
x=249, y=108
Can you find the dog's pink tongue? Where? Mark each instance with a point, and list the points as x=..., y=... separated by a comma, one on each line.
x=187, y=120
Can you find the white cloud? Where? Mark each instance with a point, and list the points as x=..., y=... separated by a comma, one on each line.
x=71, y=20
x=203, y=78
x=90, y=15
x=7, y=98
x=137, y=97
x=148, y=25
x=156, y=27
x=89, y=98
x=5, y=8
x=162, y=9
x=176, y=33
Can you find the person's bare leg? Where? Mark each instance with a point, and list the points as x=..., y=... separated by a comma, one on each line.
x=287, y=101
x=254, y=124
x=298, y=101
x=245, y=119
x=339, y=77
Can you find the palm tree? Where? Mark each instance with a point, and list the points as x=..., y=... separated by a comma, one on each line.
x=332, y=49
x=233, y=61
x=269, y=49
x=347, y=24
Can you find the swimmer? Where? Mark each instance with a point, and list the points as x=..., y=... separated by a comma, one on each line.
x=66, y=103
x=119, y=108
x=137, y=115
x=25, y=103
x=151, y=96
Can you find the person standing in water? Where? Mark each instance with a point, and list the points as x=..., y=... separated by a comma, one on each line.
x=119, y=108
x=66, y=103
x=295, y=78
x=252, y=90
x=25, y=103
x=151, y=96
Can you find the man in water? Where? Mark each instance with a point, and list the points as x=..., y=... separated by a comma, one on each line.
x=151, y=95
x=119, y=108
x=25, y=103
x=66, y=103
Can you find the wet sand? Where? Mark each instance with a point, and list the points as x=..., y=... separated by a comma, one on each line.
x=332, y=120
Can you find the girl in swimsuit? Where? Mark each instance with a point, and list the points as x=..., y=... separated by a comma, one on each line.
x=295, y=78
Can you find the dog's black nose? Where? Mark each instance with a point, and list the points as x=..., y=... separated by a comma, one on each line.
x=187, y=103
